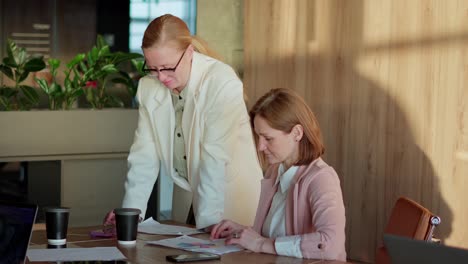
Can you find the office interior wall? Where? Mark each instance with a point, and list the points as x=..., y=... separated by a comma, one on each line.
x=75, y=23
x=92, y=187
x=388, y=82
x=220, y=23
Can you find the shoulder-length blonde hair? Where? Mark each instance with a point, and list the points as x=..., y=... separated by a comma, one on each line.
x=283, y=109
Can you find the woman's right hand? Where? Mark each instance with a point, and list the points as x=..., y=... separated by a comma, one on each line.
x=224, y=229
x=109, y=223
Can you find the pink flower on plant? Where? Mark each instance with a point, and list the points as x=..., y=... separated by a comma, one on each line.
x=91, y=84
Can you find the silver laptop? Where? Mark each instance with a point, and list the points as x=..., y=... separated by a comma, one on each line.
x=404, y=250
x=16, y=224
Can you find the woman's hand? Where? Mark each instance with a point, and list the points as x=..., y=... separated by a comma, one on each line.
x=251, y=240
x=224, y=229
x=109, y=223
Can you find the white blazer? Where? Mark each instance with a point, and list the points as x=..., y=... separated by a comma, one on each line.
x=222, y=166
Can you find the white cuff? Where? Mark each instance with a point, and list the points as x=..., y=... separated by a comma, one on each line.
x=289, y=246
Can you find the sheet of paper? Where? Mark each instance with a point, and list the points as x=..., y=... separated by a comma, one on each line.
x=197, y=245
x=75, y=254
x=151, y=226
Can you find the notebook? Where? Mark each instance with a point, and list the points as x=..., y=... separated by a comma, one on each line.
x=404, y=250
x=16, y=224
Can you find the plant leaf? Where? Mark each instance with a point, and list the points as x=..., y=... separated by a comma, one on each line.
x=83, y=67
x=123, y=56
x=54, y=88
x=138, y=65
x=21, y=57
x=58, y=89
x=34, y=65
x=77, y=59
x=22, y=76
x=8, y=92
x=7, y=71
x=113, y=101
x=120, y=80
x=43, y=85
x=54, y=64
x=5, y=102
x=77, y=92
x=30, y=94
x=10, y=63
x=101, y=42
x=104, y=51
x=24, y=104
x=125, y=75
x=93, y=56
x=12, y=50
x=109, y=68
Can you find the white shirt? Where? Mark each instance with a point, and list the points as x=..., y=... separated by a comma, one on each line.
x=275, y=222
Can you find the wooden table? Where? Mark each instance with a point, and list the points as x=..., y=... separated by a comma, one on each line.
x=143, y=253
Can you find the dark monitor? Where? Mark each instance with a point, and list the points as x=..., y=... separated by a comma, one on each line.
x=404, y=250
x=16, y=224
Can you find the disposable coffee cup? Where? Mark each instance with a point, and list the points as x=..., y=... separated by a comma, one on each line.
x=126, y=220
x=56, y=225
x=49, y=246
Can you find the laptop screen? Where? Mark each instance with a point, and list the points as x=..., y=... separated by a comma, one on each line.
x=403, y=250
x=16, y=223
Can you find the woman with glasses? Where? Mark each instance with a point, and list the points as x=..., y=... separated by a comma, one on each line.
x=301, y=212
x=194, y=128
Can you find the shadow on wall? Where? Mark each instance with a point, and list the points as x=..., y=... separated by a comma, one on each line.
x=370, y=144
x=368, y=138
x=370, y=141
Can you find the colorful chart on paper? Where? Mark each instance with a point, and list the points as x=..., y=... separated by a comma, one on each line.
x=197, y=245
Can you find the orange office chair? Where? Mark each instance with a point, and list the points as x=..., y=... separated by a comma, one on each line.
x=408, y=219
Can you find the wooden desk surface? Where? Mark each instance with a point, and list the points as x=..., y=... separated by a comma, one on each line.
x=143, y=253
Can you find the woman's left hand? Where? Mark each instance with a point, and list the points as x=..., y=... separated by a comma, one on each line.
x=251, y=240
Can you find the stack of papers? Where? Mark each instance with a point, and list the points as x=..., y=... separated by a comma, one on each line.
x=151, y=226
x=217, y=246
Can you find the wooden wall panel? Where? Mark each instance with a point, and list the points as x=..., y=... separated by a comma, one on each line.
x=388, y=82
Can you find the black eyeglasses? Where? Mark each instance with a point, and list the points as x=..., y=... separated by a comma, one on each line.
x=155, y=72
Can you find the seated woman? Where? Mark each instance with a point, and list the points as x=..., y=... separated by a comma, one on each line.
x=301, y=211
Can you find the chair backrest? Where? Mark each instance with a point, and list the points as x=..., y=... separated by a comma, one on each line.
x=408, y=219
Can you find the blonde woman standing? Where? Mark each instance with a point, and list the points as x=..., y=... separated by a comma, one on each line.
x=194, y=128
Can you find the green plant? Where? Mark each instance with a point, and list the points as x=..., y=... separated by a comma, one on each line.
x=99, y=65
x=73, y=83
x=131, y=80
x=63, y=97
x=17, y=65
x=52, y=89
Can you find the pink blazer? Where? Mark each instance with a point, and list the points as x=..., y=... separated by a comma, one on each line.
x=314, y=209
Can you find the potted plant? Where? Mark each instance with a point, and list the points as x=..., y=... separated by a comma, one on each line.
x=83, y=138
x=130, y=80
x=100, y=64
x=16, y=66
x=63, y=97
x=80, y=131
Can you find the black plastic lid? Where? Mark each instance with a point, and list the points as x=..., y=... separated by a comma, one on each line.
x=127, y=211
x=56, y=209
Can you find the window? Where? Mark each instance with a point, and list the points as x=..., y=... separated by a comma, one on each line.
x=142, y=12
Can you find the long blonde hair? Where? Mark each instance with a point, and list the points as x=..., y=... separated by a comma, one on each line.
x=169, y=29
